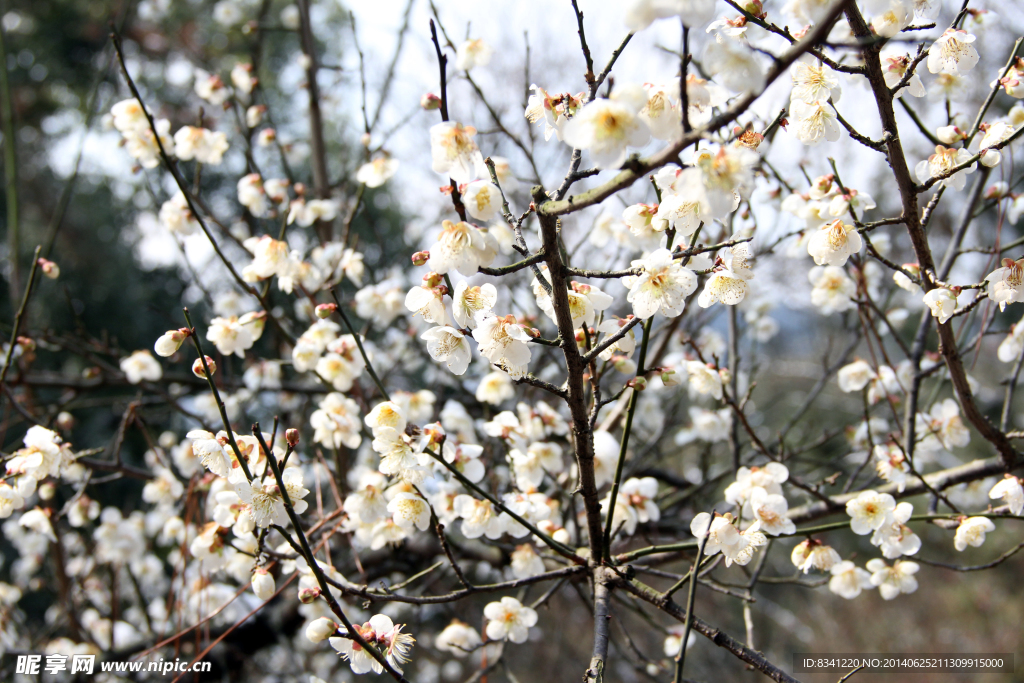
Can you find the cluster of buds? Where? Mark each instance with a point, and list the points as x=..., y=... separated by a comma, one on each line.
x=435, y=282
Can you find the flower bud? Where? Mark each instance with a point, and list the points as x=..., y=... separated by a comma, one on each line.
x=65, y=421
x=638, y=383
x=292, y=437
x=321, y=629
x=197, y=367
x=669, y=377
x=46, y=490
x=725, y=374
x=263, y=584
x=420, y=258
x=49, y=268
x=431, y=279
x=324, y=311
x=430, y=101
x=365, y=139
x=306, y=596
x=170, y=341
x=254, y=115
x=997, y=190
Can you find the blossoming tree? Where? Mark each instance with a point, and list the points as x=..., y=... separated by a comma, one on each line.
x=413, y=458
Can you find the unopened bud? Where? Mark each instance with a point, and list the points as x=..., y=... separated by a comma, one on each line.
x=199, y=371
x=292, y=437
x=308, y=595
x=27, y=344
x=169, y=342
x=364, y=139
x=430, y=101
x=46, y=490
x=431, y=279
x=49, y=268
x=65, y=421
x=725, y=374
x=669, y=377
x=324, y=311
x=420, y=258
x=638, y=383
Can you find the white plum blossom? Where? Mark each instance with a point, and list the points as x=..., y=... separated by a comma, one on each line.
x=470, y=303
x=1006, y=284
x=526, y=562
x=504, y=342
x=770, y=477
x=814, y=81
x=848, y=580
x=723, y=537
x=336, y=422
x=728, y=283
x=531, y=465
x=235, y=335
x=895, y=72
x=942, y=303
x=891, y=581
x=205, y=146
x=377, y=172
x=814, y=121
x=869, y=511
x=891, y=464
x=855, y=376
x=482, y=199
x=458, y=638
x=894, y=537
x=494, y=388
x=463, y=247
x=634, y=504
x=833, y=290
x=449, y=346
x=473, y=53
x=607, y=127
x=834, y=243
x=409, y=510
x=384, y=635
x=141, y=366
x=509, y=619
x=813, y=554
x=454, y=152
x=662, y=286
x=707, y=425
x=642, y=13
x=466, y=459
x=942, y=427
x=704, y=379
x=479, y=517
x=770, y=509
x=1010, y=490
x=971, y=532
x=177, y=217
x=734, y=65
x=952, y=53
x=944, y=161
x=552, y=111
